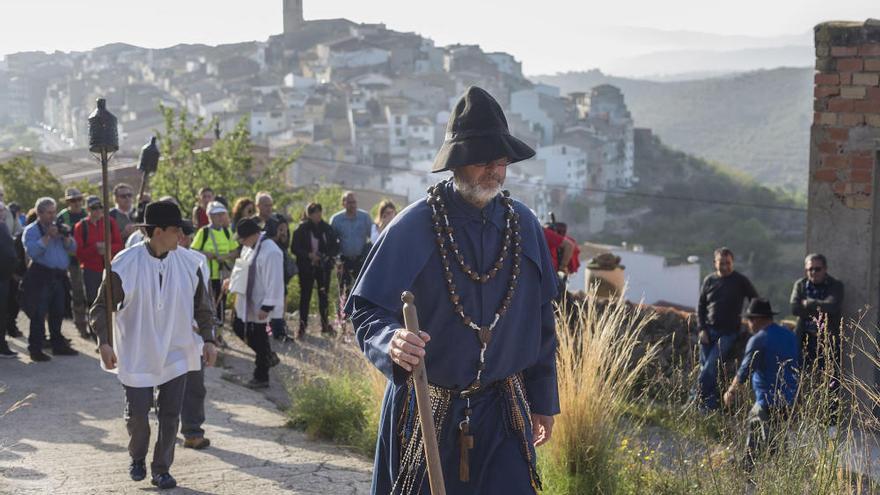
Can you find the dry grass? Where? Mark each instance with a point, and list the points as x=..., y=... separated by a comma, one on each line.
x=612, y=438
x=597, y=373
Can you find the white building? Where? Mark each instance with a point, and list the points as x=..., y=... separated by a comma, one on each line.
x=540, y=106
x=506, y=63
x=351, y=53
x=266, y=121
x=564, y=165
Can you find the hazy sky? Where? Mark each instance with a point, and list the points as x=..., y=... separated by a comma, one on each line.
x=547, y=35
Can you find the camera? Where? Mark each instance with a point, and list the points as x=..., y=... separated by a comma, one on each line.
x=63, y=229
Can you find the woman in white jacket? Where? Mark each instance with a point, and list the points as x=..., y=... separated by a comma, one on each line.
x=263, y=297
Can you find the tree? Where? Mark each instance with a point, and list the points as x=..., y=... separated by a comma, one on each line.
x=227, y=166
x=24, y=181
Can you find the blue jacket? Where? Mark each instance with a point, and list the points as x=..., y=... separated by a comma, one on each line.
x=772, y=356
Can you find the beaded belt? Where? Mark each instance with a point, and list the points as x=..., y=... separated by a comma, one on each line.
x=517, y=418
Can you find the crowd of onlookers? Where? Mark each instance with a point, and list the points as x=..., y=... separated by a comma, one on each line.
x=52, y=257
x=52, y=263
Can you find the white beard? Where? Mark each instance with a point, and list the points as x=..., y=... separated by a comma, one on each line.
x=476, y=194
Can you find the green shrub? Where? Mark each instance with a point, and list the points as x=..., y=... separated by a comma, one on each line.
x=343, y=408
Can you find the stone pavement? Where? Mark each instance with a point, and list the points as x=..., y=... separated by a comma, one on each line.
x=71, y=437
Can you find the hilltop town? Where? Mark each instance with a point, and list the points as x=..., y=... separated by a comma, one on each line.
x=366, y=107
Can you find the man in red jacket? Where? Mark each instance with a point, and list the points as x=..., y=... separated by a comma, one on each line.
x=90, y=246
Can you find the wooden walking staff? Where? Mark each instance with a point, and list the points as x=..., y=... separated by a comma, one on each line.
x=103, y=142
x=423, y=403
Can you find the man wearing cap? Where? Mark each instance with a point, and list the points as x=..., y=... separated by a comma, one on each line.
x=772, y=357
x=69, y=217
x=90, y=246
x=157, y=292
x=484, y=285
x=263, y=298
x=216, y=242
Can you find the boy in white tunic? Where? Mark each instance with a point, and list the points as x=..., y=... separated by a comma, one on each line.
x=157, y=293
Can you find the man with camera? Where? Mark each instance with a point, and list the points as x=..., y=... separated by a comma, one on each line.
x=45, y=284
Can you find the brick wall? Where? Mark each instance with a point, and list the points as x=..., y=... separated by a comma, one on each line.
x=843, y=214
x=846, y=122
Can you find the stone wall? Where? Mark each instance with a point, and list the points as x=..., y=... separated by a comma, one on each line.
x=842, y=203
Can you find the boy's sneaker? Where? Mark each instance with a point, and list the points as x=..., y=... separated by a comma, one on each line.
x=164, y=481
x=137, y=470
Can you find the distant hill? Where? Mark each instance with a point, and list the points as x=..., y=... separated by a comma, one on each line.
x=685, y=206
x=668, y=63
x=755, y=122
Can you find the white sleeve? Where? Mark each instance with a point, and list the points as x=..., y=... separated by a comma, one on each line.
x=271, y=268
x=374, y=234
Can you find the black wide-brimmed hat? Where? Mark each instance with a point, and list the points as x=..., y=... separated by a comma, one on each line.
x=477, y=132
x=161, y=214
x=760, y=308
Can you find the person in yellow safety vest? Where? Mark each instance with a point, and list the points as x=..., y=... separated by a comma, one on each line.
x=217, y=242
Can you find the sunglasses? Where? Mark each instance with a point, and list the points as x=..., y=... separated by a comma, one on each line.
x=815, y=269
x=128, y=195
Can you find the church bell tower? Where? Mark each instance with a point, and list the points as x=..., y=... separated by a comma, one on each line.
x=293, y=15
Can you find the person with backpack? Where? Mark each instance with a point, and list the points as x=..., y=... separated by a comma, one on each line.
x=217, y=242
x=90, y=246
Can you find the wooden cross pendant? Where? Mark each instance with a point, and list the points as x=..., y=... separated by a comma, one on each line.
x=466, y=443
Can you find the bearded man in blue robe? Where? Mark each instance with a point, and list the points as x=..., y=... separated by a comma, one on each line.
x=479, y=268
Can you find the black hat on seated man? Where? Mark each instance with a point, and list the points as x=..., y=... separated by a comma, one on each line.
x=760, y=308
x=246, y=227
x=477, y=132
x=162, y=214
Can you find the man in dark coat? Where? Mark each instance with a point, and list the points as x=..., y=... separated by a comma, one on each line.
x=817, y=300
x=483, y=282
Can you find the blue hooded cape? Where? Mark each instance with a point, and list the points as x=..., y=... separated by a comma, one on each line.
x=406, y=257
